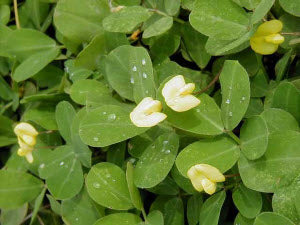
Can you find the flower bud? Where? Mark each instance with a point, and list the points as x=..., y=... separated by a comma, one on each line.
x=178, y=96
x=147, y=113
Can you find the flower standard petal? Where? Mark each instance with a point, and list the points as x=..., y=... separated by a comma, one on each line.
x=210, y=172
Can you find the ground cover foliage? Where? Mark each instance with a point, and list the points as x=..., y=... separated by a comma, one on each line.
x=75, y=69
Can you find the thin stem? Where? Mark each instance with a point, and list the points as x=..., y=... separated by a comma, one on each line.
x=234, y=137
x=210, y=84
x=164, y=14
x=144, y=214
x=291, y=33
x=16, y=14
x=40, y=220
x=4, y=108
x=46, y=132
x=232, y=175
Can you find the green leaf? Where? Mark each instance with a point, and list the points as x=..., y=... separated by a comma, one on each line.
x=156, y=161
x=285, y=199
x=281, y=161
x=259, y=84
x=172, y=6
x=116, y=154
x=292, y=7
x=82, y=151
x=24, y=43
x=174, y=212
x=7, y=136
x=221, y=152
x=255, y=107
x=130, y=72
x=254, y=137
x=194, y=43
x=101, y=44
x=5, y=91
x=205, y=119
x=80, y=210
x=80, y=20
x=43, y=114
x=290, y=24
x=155, y=218
x=194, y=205
x=271, y=218
x=63, y=173
x=17, y=188
x=235, y=88
x=119, y=219
x=34, y=64
x=261, y=10
x=55, y=205
x=133, y=191
x=4, y=14
x=248, y=202
x=241, y=220
x=157, y=26
x=249, y=4
x=81, y=89
x=210, y=211
x=13, y=216
x=166, y=187
x=64, y=115
x=37, y=204
x=279, y=120
x=221, y=19
x=216, y=47
x=183, y=182
x=126, y=19
x=106, y=125
x=282, y=65
x=106, y=184
x=287, y=97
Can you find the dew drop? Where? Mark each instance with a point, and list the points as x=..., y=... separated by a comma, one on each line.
x=95, y=139
x=61, y=163
x=96, y=185
x=76, y=219
x=112, y=117
x=132, y=80
x=198, y=110
x=114, y=180
x=230, y=113
x=108, y=175
x=42, y=166
x=104, y=113
x=165, y=142
x=144, y=75
x=243, y=98
x=167, y=151
x=144, y=62
x=147, y=92
x=134, y=68
x=227, y=101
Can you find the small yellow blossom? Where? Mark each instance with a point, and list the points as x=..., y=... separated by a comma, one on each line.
x=26, y=134
x=204, y=177
x=267, y=38
x=178, y=96
x=147, y=113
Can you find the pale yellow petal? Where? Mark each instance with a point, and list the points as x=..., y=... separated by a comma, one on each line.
x=269, y=27
x=209, y=186
x=210, y=172
x=29, y=157
x=259, y=45
x=25, y=128
x=274, y=38
x=172, y=87
x=195, y=178
x=141, y=120
x=183, y=103
x=187, y=89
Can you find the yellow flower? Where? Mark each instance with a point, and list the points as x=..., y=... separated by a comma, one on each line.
x=204, y=177
x=267, y=38
x=178, y=96
x=147, y=113
x=26, y=134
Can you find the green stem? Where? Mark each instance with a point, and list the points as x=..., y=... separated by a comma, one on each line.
x=291, y=33
x=144, y=214
x=16, y=14
x=234, y=137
